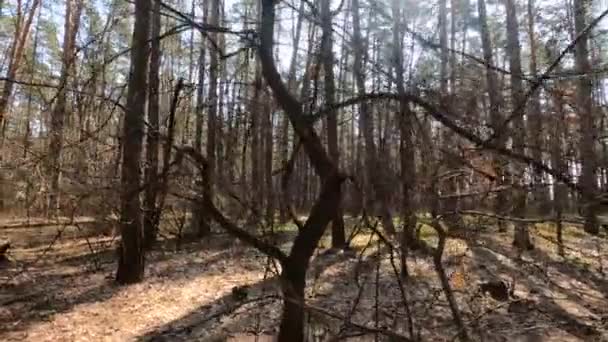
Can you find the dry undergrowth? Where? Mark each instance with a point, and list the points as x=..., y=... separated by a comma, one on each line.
x=64, y=293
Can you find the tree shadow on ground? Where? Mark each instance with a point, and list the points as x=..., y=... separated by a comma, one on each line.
x=502, y=262
x=45, y=289
x=259, y=295
x=28, y=308
x=330, y=281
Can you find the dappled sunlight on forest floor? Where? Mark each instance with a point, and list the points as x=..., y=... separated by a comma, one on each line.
x=215, y=289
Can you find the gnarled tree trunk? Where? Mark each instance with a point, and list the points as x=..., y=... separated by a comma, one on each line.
x=294, y=269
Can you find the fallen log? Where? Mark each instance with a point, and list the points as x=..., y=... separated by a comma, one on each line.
x=34, y=223
x=4, y=246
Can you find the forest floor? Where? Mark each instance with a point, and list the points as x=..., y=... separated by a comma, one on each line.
x=58, y=286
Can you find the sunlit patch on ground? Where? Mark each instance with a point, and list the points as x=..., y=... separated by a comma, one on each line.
x=188, y=294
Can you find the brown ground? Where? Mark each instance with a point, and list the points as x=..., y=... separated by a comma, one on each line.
x=65, y=293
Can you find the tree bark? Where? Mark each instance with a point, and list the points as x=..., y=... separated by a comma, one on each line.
x=443, y=43
x=406, y=143
x=338, y=239
x=199, y=223
x=267, y=130
x=153, y=133
x=256, y=108
x=557, y=139
x=131, y=252
x=495, y=107
x=14, y=63
x=536, y=132
x=372, y=167
x=522, y=237
x=588, y=133
x=449, y=205
x=291, y=80
x=212, y=97
x=16, y=54
x=73, y=9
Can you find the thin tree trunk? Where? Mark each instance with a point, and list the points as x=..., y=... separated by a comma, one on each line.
x=291, y=78
x=14, y=63
x=372, y=167
x=199, y=222
x=557, y=162
x=59, y=114
x=267, y=130
x=453, y=5
x=254, y=111
x=534, y=112
x=450, y=205
x=495, y=107
x=212, y=98
x=443, y=43
x=16, y=54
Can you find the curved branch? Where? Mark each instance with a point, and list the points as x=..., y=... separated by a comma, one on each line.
x=225, y=223
x=292, y=107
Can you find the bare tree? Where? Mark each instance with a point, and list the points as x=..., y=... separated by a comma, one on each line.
x=584, y=104
x=212, y=97
x=495, y=105
x=557, y=140
x=131, y=251
x=522, y=236
x=153, y=134
x=536, y=133
x=73, y=9
x=22, y=30
x=291, y=84
x=295, y=266
x=371, y=164
x=406, y=141
x=327, y=56
x=199, y=222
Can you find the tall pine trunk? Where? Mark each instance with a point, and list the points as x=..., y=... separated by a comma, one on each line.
x=131, y=251
x=406, y=142
x=522, y=237
x=153, y=134
x=327, y=55
x=535, y=130
x=371, y=164
x=495, y=107
x=20, y=37
x=588, y=132
x=199, y=224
